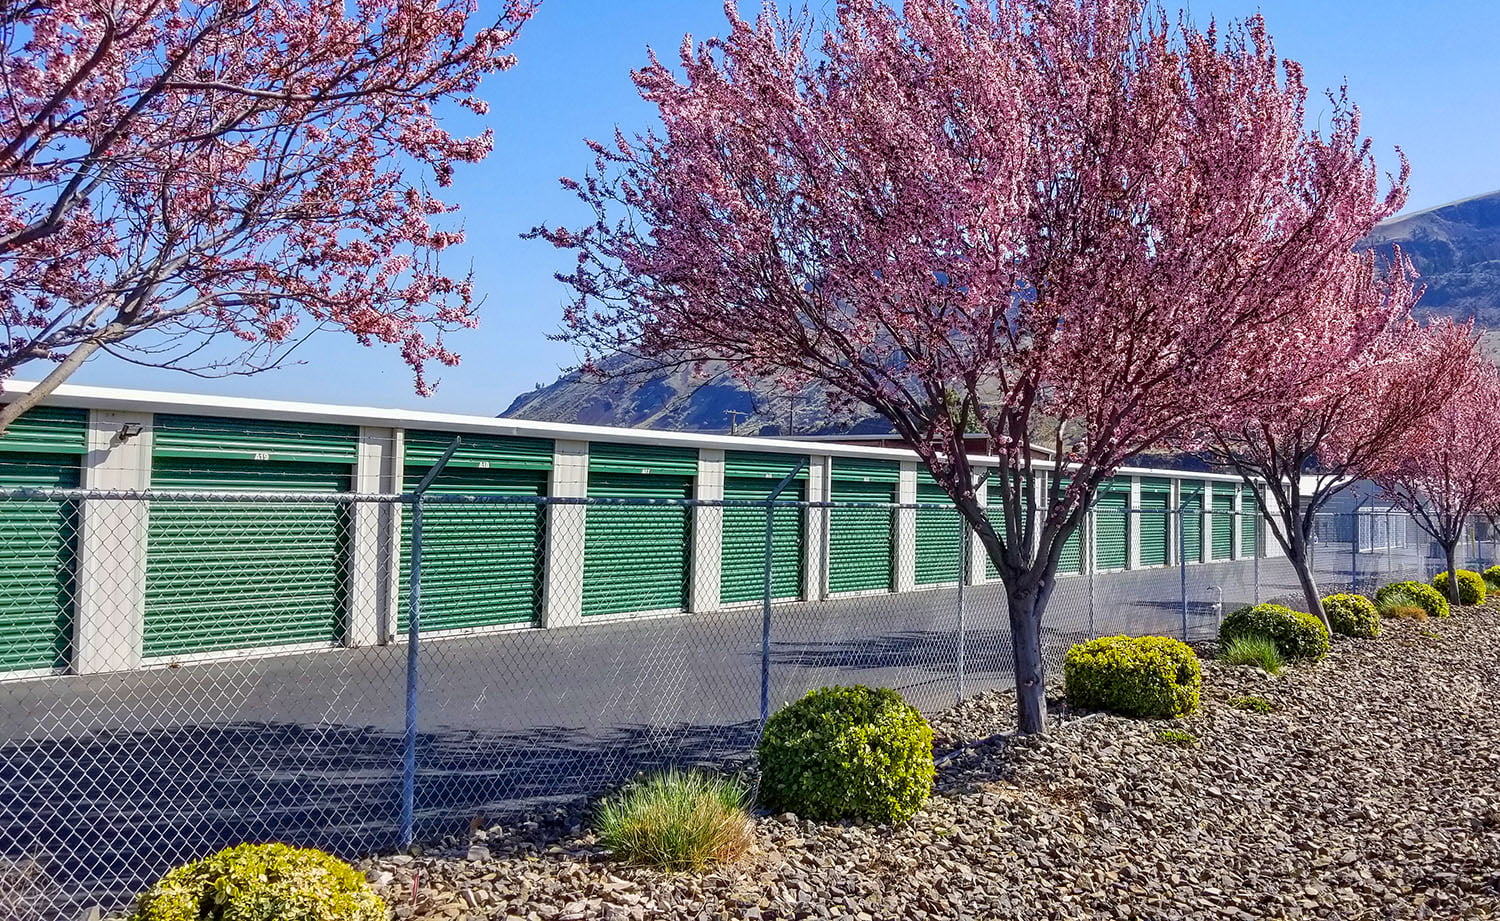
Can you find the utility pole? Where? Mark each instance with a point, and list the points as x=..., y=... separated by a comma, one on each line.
x=734, y=419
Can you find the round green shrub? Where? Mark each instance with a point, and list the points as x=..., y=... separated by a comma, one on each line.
x=847, y=753
x=1471, y=588
x=1297, y=635
x=1352, y=615
x=262, y=882
x=1492, y=578
x=1151, y=676
x=1420, y=594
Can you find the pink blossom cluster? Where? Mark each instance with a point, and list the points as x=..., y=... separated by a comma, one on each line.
x=173, y=170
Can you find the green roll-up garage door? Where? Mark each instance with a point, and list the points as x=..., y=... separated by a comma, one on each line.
x=859, y=539
x=635, y=557
x=1249, y=524
x=481, y=563
x=243, y=575
x=1156, y=501
x=751, y=476
x=1112, y=525
x=1222, y=545
x=38, y=538
x=939, y=537
x=1190, y=497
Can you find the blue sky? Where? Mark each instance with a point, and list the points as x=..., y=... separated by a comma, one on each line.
x=1426, y=75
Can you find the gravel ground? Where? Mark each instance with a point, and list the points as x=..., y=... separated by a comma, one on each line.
x=1370, y=792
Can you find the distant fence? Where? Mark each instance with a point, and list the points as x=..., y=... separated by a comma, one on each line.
x=186, y=670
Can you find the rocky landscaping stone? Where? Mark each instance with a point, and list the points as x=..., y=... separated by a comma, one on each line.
x=1369, y=792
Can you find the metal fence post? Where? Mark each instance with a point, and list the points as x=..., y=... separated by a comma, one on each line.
x=765, y=601
x=1255, y=560
x=963, y=580
x=1182, y=569
x=413, y=644
x=1354, y=551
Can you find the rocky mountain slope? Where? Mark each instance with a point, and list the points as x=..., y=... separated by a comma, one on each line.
x=1455, y=247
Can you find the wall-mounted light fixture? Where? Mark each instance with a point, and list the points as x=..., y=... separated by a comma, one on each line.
x=129, y=430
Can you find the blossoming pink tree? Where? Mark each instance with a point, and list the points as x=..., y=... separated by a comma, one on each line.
x=1449, y=468
x=1031, y=219
x=175, y=175
x=1341, y=386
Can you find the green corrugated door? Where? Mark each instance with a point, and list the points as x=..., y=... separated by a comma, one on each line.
x=1112, y=525
x=938, y=536
x=1070, y=561
x=859, y=539
x=1190, y=497
x=38, y=538
x=635, y=557
x=242, y=575
x=481, y=563
x=752, y=476
x=1223, y=521
x=1249, y=524
x=1156, y=500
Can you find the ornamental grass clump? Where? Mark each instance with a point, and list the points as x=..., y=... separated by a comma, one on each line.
x=1352, y=615
x=1471, y=589
x=1251, y=703
x=1409, y=593
x=1150, y=676
x=676, y=821
x=1252, y=649
x=1297, y=635
x=262, y=882
x=847, y=753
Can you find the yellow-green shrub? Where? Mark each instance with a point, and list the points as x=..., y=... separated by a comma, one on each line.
x=1471, y=588
x=1352, y=615
x=1492, y=578
x=1424, y=596
x=1297, y=635
x=847, y=753
x=262, y=882
x=1150, y=676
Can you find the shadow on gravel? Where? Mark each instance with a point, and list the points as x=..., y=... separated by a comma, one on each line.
x=95, y=819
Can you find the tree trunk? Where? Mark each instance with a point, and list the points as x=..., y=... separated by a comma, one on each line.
x=1450, y=552
x=1026, y=646
x=1297, y=556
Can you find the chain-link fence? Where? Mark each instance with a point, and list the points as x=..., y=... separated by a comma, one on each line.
x=184, y=671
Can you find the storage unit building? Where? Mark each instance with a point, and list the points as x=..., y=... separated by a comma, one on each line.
x=752, y=476
x=481, y=563
x=42, y=450
x=635, y=557
x=242, y=575
x=860, y=539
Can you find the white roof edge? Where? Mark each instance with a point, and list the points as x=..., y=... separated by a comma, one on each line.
x=88, y=396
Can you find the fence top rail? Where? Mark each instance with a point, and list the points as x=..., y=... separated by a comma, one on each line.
x=408, y=498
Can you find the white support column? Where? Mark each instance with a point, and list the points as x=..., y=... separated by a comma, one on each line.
x=905, y=575
x=1206, y=523
x=1134, y=526
x=1174, y=523
x=562, y=592
x=708, y=532
x=979, y=558
x=815, y=538
x=1238, y=545
x=374, y=568
x=109, y=611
